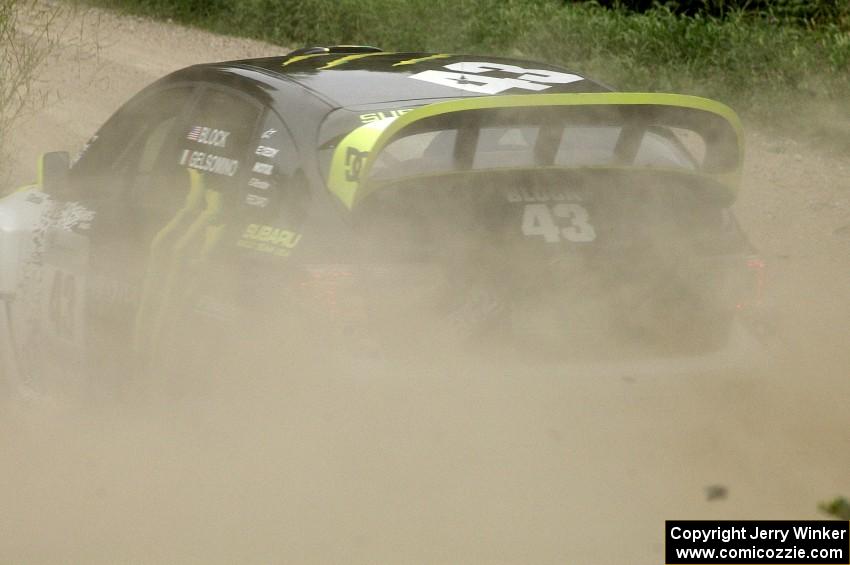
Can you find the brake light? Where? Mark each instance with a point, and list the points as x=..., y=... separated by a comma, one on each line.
x=333, y=289
x=756, y=282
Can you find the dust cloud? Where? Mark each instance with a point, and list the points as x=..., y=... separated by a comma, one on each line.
x=309, y=459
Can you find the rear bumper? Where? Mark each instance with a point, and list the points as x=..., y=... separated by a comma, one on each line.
x=743, y=353
x=742, y=356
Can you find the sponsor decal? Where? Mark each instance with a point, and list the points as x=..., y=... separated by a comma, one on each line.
x=263, y=168
x=208, y=136
x=84, y=150
x=209, y=163
x=422, y=59
x=558, y=222
x=472, y=78
x=269, y=239
x=256, y=200
x=271, y=234
x=73, y=215
x=264, y=151
x=383, y=114
x=354, y=163
x=258, y=184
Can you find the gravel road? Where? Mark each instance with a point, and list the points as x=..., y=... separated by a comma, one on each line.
x=501, y=467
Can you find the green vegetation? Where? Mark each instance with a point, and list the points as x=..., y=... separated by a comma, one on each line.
x=17, y=62
x=28, y=33
x=838, y=508
x=786, y=68
x=798, y=11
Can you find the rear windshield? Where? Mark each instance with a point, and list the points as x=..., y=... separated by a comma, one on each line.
x=511, y=147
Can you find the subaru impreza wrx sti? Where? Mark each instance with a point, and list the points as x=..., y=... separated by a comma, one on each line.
x=345, y=198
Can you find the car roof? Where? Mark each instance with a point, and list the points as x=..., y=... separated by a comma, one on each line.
x=346, y=79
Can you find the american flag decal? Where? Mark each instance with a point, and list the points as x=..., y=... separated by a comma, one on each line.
x=194, y=133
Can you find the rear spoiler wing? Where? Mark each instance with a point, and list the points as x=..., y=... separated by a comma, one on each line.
x=716, y=123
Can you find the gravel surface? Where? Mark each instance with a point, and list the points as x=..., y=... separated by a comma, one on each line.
x=501, y=467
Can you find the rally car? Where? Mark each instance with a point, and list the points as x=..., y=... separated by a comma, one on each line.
x=350, y=199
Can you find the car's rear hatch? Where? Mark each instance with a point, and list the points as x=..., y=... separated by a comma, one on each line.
x=576, y=220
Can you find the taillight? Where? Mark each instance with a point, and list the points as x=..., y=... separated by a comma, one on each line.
x=333, y=290
x=755, y=283
x=335, y=295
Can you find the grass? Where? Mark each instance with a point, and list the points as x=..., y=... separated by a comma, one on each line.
x=838, y=508
x=783, y=75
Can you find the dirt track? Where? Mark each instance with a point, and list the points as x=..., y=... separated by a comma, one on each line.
x=502, y=467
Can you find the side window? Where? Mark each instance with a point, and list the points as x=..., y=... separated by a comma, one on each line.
x=211, y=145
x=275, y=188
x=129, y=143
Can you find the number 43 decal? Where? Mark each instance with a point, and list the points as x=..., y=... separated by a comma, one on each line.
x=468, y=76
x=543, y=220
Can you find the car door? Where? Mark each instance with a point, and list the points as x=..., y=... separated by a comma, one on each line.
x=187, y=211
x=78, y=280
x=274, y=197
x=247, y=281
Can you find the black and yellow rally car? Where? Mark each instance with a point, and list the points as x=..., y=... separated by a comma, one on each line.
x=346, y=198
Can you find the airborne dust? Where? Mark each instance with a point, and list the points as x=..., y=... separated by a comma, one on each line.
x=438, y=461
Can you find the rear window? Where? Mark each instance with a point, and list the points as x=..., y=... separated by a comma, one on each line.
x=516, y=147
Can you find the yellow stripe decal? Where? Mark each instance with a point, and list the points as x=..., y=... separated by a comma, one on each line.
x=302, y=57
x=204, y=232
x=152, y=287
x=348, y=58
x=422, y=59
